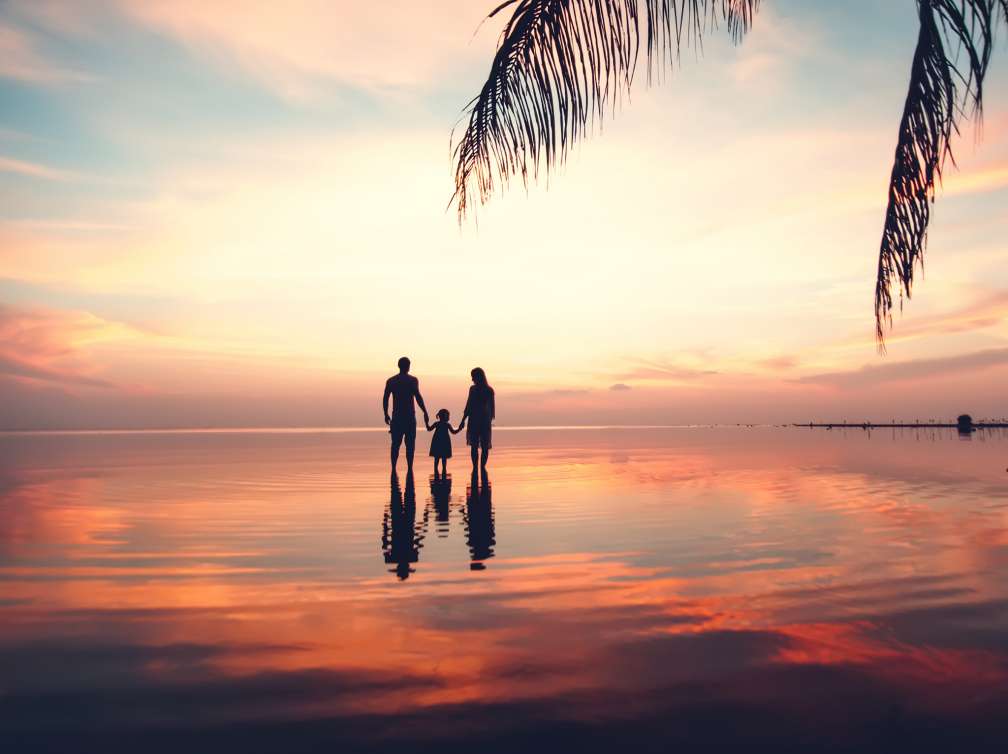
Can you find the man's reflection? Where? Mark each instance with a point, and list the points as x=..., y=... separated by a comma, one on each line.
x=401, y=542
x=478, y=520
x=440, y=487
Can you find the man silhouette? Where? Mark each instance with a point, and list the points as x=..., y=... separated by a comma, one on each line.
x=403, y=388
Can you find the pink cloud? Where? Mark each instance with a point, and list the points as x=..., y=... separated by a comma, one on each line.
x=780, y=362
x=985, y=310
x=47, y=346
x=298, y=46
x=13, y=367
x=20, y=60
x=667, y=371
x=916, y=369
x=33, y=170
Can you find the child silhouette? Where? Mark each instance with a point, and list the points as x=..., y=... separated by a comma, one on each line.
x=440, y=447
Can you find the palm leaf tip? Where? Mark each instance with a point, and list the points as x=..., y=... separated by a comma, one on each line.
x=561, y=66
x=954, y=46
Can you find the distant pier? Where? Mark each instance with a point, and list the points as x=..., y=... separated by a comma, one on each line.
x=904, y=425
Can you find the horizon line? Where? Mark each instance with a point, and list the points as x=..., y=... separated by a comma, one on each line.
x=353, y=429
x=338, y=429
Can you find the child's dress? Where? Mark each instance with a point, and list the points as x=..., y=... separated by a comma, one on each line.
x=440, y=444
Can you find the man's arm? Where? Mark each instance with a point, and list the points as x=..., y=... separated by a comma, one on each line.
x=388, y=392
x=419, y=400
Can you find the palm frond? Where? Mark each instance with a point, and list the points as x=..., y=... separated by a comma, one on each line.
x=954, y=46
x=560, y=66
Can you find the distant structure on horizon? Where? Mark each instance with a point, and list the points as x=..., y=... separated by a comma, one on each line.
x=964, y=424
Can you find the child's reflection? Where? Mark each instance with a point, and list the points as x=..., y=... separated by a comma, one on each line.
x=440, y=487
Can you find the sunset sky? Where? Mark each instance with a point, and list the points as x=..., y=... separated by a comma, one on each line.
x=236, y=214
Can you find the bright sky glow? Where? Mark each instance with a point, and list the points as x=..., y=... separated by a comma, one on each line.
x=234, y=214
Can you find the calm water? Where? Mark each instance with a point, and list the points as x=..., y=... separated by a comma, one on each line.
x=782, y=589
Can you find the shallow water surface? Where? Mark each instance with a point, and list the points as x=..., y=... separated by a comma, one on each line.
x=772, y=588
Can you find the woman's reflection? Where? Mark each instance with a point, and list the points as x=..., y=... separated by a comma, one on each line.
x=478, y=519
x=401, y=542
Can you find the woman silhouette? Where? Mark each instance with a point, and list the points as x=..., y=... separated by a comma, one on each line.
x=480, y=411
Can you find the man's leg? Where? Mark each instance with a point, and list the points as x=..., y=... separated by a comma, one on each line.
x=475, y=456
x=397, y=438
x=396, y=442
x=485, y=456
x=410, y=446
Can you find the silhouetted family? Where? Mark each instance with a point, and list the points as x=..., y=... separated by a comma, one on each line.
x=404, y=389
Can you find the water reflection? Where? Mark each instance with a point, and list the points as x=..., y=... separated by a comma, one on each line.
x=401, y=540
x=403, y=537
x=478, y=521
x=699, y=590
x=440, y=488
